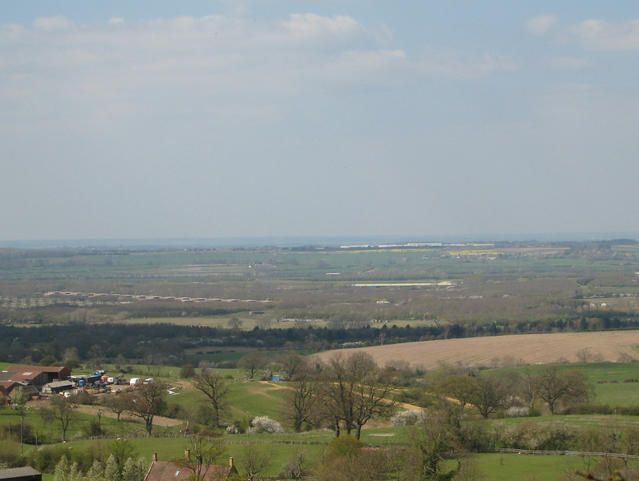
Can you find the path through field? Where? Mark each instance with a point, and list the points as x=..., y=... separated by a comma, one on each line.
x=526, y=348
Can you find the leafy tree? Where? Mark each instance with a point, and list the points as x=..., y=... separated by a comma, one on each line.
x=61, y=472
x=112, y=471
x=214, y=387
x=96, y=471
x=134, y=470
x=121, y=450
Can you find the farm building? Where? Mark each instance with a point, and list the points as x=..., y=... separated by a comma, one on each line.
x=56, y=387
x=7, y=386
x=26, y=473
x=36, y=376
x=168, y=471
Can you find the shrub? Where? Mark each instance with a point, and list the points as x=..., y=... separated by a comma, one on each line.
x=187, y=371
x=406, y=418
x=517, y=411
x=235, y=428
x=45, y=458
x=93, y=429
x=10, y=455
x=83, y=397
x=264, y=424
x=12, y=432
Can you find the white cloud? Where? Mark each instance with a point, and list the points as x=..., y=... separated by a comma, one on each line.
x=311, y=25
x=116, y=21
x=541, y=24
x=214, y=65
x=601, y=35
x=52, y=23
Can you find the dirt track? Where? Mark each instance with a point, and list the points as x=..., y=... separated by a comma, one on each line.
x=487, y=351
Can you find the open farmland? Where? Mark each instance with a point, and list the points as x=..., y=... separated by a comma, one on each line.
x=487, y=351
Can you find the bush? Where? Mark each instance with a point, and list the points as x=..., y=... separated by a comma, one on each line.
x=187, y=371
x=264, y=424
x=10, y=455
x=93, y=429
x=406, y=418
x=45, y=458
x=553, y=437
x=83, y=397
x=475, y=437
x=12, y=432
x=517, y=411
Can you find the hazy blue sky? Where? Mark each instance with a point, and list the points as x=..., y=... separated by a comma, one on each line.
x=122, y=119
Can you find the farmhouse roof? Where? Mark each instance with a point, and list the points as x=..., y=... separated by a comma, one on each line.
x=29, y=373
x=168, y=471
x=13, y=473
x=7, y=386
x=56, y=384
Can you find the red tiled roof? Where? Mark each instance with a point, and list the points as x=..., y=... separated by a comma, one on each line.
x=38, y=369
x=167, y=471
x=28, y=373
x=6, y=386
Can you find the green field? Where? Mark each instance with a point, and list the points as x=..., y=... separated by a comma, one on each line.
x=281, y=448
x=614, y=384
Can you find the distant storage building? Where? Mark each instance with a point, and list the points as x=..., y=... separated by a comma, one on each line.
x=20, y=474
x=31, y=376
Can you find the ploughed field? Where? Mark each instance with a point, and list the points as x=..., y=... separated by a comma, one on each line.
x=495, y=350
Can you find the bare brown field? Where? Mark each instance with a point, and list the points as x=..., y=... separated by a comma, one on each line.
x=498, y=350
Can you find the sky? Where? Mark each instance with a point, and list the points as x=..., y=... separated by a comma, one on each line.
x=216, y=119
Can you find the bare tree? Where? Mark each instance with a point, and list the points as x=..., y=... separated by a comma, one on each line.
x=213, y=386
x=302, y=399
x=488, y=394
x=256, y=461
x=117, y=404
x=19, y=399
x=434, y=440
x=200, y=454
x=251, y=362
x=555, y=386
x=292, y=364
x=354, y=392
x=146, y=402
x=61, y=410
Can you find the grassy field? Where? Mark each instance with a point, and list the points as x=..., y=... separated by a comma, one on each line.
x=614, y=384
x=281, y=448
x=49, y=431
